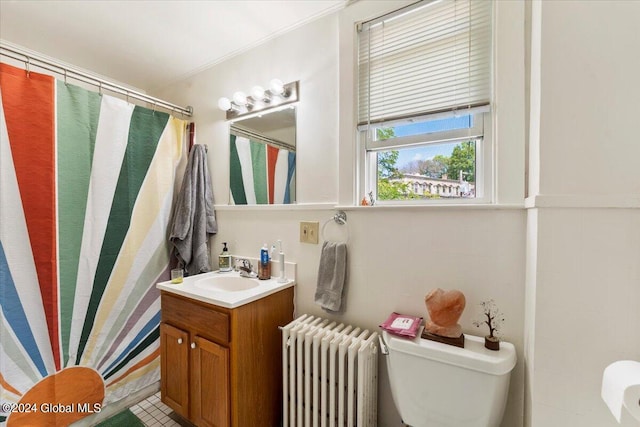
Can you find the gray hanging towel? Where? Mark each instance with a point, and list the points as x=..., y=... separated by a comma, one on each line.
x=331, y=275
x=194, y=219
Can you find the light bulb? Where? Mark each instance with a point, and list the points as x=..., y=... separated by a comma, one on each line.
x=277, y=86
x=240, y=98
x=257, y=92
x=224, y=104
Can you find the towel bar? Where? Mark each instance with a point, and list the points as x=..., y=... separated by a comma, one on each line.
x=339, y=218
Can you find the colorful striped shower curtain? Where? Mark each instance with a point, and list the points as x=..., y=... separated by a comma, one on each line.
x=86, y=187
x=260, y=173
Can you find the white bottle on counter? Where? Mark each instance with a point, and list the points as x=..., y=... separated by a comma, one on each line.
x=282, y=277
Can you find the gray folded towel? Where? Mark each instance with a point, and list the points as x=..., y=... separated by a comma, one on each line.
x=331, y=275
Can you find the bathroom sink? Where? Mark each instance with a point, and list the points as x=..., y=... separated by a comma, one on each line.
x=225, y=289
x=226, y=283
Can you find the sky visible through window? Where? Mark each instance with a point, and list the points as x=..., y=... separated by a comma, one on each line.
x=408, y=155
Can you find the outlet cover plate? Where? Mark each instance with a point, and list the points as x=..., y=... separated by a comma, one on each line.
x=309, y=232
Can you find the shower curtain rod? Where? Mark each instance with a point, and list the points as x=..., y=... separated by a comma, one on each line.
x=46, y=64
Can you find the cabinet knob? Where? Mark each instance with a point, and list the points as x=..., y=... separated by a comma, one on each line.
x=179, y=340
x=193, y=345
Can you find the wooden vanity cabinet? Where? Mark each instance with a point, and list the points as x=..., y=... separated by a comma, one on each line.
x=223, y=367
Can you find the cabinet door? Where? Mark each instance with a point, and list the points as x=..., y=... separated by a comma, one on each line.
x=174, y=365
x=210, y=383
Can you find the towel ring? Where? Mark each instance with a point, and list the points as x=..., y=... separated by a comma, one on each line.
x=339, y=218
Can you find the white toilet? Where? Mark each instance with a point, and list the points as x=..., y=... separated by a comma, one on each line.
x=438, y=385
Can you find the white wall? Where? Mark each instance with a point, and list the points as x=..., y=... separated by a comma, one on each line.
x=587, y=310
x=590, y=96
x=583, y=280
x=307, y=54
x=395, y=255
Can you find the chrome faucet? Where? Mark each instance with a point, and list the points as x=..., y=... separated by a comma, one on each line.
x=246, y=269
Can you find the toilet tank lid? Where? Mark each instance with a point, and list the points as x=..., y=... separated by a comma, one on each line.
x=473, y=356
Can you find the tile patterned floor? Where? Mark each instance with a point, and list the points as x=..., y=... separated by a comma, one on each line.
x=153, y=413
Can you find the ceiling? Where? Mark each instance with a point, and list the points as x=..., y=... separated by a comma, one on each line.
x=150, y=43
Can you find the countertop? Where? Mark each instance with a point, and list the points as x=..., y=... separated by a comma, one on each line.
x=202, y=287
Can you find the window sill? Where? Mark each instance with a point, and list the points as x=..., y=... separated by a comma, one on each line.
x=379, y=207
x=290, y=207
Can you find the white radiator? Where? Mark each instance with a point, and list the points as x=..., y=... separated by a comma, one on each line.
x=330, y=374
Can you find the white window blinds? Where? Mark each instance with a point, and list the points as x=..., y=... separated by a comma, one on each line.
x=432, y=58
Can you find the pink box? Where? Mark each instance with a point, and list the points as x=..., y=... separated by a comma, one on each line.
x=402, y=325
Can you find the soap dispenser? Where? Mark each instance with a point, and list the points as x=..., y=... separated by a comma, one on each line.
x=264, y=267
x=224, y=259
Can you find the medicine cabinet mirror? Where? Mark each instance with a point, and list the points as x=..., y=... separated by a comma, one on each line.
x=262, y=161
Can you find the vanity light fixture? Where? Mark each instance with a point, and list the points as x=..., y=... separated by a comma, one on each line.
x=277, y=95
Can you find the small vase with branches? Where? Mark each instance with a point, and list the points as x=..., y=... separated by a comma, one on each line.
x=493, y=318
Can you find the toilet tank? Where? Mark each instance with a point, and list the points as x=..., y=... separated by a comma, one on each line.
x=435, y=384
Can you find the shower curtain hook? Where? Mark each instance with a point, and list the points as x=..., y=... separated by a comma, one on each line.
x=127, y=97
x=100, y=88
x=154, y=107
x=28, y=63
x=65, y=77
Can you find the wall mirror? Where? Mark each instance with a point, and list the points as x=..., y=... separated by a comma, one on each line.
x=262, y=161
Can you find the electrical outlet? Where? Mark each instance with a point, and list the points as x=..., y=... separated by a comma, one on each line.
x=309, y=232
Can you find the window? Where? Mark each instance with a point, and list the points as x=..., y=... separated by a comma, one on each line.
x=424, y=102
